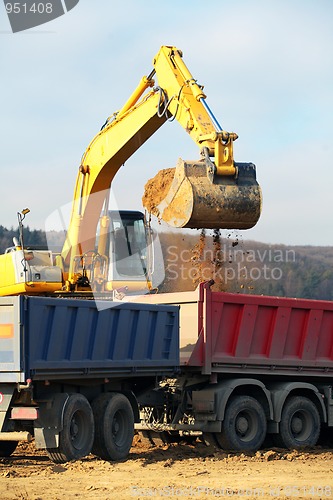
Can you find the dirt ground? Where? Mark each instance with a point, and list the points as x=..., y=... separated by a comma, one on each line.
x=175, y=471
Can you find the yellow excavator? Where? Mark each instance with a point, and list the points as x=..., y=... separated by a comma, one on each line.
x=106, y=251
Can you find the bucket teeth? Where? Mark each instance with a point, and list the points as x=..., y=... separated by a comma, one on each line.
x=192, y=196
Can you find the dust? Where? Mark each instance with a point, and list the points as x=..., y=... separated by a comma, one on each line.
x=203, y=255
x=156, y=189
x=218, y=261
x=208, y=259
x=197, y=259
x=208, y=255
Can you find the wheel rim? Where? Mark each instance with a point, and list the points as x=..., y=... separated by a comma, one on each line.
x=301, y=425
x=77, y=430
x=119, y=427
x=246, y=425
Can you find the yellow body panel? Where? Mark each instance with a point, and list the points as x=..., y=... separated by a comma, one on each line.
x=13, y=282
x=36, y=288
x=7, y=272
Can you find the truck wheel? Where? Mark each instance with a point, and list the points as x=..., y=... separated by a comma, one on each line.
x=114, y=426
x=300, y=424
x=77, y=436
x=7, y=448
x=244, y=425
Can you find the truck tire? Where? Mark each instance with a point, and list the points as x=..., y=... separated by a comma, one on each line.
x=244, y=425
x=114, y=426
x=7, y=448
x=77, y=436
x=300, y=424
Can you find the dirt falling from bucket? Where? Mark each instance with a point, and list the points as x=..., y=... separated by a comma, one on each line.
x=198, y=258
x=208, y=260
x=218, y=261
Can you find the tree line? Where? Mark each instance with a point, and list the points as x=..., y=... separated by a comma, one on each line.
x=236, y=265
x=34, y=237
x=240, y=266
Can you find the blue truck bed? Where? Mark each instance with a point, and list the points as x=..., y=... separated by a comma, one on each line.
x=53, y=338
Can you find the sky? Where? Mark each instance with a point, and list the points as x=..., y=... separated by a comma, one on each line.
x=267, y=71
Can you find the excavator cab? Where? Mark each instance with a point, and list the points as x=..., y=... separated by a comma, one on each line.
x=128, y=246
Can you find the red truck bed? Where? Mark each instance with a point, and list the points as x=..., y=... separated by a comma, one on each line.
x=236, y=333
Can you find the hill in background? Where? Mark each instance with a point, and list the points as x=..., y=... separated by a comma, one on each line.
x=235, y=265
x=247, y=266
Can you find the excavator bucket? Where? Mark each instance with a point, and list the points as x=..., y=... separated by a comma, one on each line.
x=192, y=196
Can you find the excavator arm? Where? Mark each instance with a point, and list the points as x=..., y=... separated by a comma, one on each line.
x=106, y=153
x=204, y=190
x=185, y=100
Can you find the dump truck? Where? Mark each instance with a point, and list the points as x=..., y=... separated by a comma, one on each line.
x=69, y=371
x=232, y=368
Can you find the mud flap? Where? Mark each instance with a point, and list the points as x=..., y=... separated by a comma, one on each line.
x=50, y=421
x=6, y=394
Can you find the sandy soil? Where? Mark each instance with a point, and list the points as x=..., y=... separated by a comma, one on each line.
x=174, y=471
x=156, y=189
